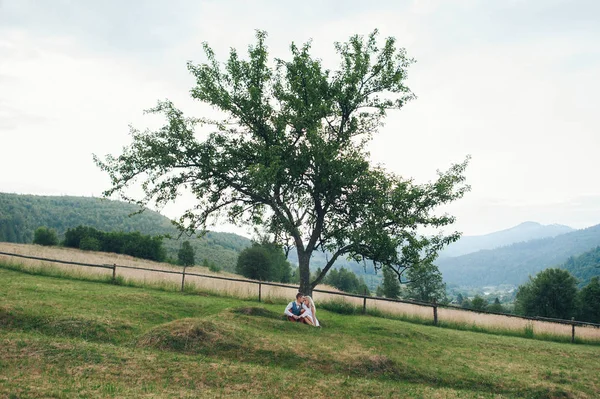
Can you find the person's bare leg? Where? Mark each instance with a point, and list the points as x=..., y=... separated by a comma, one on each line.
x=308, y=320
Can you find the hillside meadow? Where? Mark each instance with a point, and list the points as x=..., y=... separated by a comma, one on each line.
x=67, y=338
x=248, y=289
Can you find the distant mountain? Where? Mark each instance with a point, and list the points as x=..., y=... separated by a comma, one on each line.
x=526, y=231
x=584, y=266
x=514, y=263
x=20, y=215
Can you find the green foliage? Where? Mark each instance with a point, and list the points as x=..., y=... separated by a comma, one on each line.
x=290, y=155
x=466, y=304
x=589, y=301
x=186, y=254
x=212, y=266
x=45, y=236
x=345, y=280
x=264, y=261
x=340, y=307
x=425, y=283
x=478, y=303
x=90, y=243
x=496, y=307
x=73, y=237
x=282, y=269
x=134, y=244
x=551, y=293
x=390, y=288
x=584, y=267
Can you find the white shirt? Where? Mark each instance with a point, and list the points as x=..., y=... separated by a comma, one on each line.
x=289, y=307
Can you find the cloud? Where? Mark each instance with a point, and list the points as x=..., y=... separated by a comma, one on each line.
x=513, y=83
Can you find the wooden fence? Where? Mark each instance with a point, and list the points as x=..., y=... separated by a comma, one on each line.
x=423, y=310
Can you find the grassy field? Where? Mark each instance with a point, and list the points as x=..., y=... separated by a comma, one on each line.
x=448, y=317
x=80, y=339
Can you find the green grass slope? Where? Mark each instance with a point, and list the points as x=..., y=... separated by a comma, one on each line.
x=81, y=339
x=20, y=215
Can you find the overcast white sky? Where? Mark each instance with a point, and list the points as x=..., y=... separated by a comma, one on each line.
x=514, y=83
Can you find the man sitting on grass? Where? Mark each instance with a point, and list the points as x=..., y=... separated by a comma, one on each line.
x=294, y=310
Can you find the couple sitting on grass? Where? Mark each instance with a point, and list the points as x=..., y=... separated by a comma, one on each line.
x=302, y=310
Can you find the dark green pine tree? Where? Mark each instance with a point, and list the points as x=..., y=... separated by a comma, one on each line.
x=186, y=254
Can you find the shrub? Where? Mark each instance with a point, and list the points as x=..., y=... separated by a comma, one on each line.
x=345, y=280
x=340, y=307
x=134, y=244
x=89, y=244
x=479, y=303
x=45, y=236
x=213, y=267
x=265, y=261
x=74, y=236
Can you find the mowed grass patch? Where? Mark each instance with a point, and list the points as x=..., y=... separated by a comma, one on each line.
x=179, y=345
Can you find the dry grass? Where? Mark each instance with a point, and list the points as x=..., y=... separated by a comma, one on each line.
x=401, y=309
x=240, y=289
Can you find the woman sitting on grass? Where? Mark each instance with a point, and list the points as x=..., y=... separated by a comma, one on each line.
x=309, y=311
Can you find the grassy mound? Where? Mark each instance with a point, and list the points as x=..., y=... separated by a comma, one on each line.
x=192, y=336
x=69, y=327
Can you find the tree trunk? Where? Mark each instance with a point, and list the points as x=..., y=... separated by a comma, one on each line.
x=304, y=266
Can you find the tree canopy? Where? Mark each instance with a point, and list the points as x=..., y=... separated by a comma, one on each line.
x=45, y=236
x=425, y=283
x=289, y=156
x=390, y=287
x=589, y=301
x=551, y=293
x=264, y=261
x=186, y=254
x=345, y=280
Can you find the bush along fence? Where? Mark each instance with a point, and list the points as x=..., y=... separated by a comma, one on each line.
x=449, y=314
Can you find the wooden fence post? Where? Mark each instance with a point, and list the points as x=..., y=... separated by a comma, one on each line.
x=572, y=330
x=365, y=301
x=259, y=291
x=114, y=278
x=183, y=278
x=435, y=315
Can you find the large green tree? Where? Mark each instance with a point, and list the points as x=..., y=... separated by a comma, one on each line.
x=264, y=261
x=425, y=283
x=551, y=293
x=287, y=154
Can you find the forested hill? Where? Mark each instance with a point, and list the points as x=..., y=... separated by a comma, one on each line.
x=584, y=266
x=20, y=215
x=525, y=231
x=514, y=263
